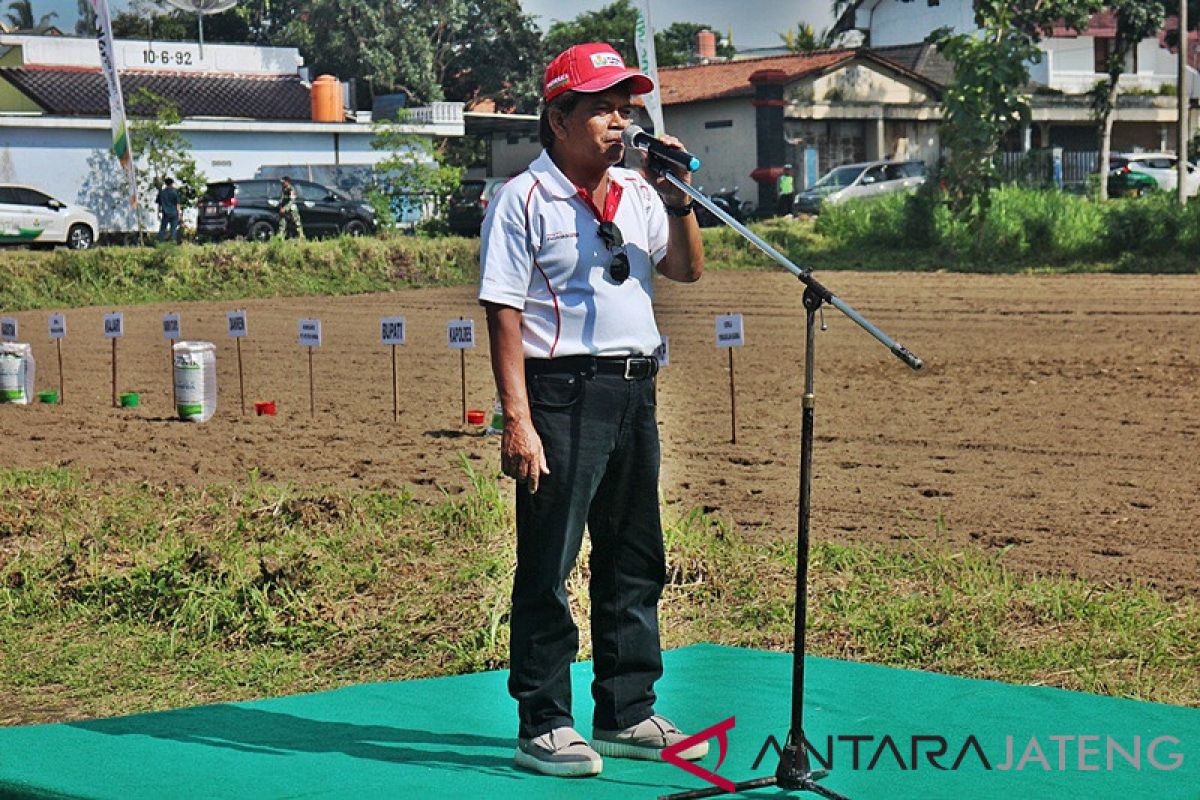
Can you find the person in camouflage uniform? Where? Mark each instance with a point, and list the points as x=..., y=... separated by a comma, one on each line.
x=289, y=212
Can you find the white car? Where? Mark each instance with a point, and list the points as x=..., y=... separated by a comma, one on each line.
x=30, y=217
x=1160, y=166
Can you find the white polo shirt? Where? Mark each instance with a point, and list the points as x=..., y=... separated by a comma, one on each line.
x=541, y=253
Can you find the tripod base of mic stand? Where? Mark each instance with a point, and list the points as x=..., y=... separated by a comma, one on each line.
x=793, y=775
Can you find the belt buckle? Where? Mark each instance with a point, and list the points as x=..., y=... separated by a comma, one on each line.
x=643, y=365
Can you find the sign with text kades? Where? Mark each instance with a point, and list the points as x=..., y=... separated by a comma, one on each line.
x=310, y=332
x=391, y=330
x=114, y=325
x=729, y=331
x=461, y=334
x=8, y=329
x=170, y=324
x=57, y=324
x=237, y=323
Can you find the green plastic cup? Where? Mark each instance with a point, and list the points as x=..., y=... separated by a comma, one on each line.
x=130, y=400
x=48, y=396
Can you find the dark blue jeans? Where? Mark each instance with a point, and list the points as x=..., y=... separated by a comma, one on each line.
x=601, y=441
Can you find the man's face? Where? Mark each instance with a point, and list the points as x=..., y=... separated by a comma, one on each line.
x=591, y=133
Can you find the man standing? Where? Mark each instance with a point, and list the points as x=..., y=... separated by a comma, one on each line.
x=787, y=190
x=289, y=212
x=168, y=210
x=568, y=251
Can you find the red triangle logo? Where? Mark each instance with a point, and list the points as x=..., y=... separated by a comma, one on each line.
x=719, y=732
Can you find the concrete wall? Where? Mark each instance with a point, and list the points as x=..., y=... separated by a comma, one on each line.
x=721, y=134
x=894, y=22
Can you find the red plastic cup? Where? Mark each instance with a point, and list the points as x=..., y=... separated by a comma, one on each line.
x=267, y=408
x=475, y=416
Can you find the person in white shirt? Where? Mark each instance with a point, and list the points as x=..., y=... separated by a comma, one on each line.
x=568, y=252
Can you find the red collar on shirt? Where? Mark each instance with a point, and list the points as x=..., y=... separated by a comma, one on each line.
x=611, y=201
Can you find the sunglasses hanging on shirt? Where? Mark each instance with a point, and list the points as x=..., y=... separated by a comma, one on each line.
x=618, y=267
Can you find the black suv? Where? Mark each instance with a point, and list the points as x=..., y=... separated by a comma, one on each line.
x=250, y=209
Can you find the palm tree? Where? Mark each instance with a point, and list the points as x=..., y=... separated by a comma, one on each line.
x=20, y=16
x=86, y=24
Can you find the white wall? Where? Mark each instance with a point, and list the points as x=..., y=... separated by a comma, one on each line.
x=242, y=59
x=893, y=22
x=727, y=154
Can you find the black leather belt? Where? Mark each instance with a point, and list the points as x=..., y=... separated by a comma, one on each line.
x=631, y=368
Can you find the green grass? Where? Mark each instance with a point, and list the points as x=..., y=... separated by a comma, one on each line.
x=1026, y=230
x=120, y=598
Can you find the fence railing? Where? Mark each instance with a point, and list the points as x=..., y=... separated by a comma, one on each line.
x=1037, y=168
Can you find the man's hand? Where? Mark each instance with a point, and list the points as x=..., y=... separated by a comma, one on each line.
x=671, y=195
x=521, y=454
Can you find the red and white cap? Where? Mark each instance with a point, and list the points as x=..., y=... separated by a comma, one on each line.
x=591, y=67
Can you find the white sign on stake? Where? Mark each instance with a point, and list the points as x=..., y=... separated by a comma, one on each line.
x=310, y=332
x=8, y=329
x=391, y=330
x=58, y=326
x=663, y=351
x=114, y=325
x=237, y=323
x=170, y=327
x=461, y=334
x=729, y=331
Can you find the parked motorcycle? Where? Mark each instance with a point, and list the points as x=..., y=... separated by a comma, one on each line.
x=728, y=201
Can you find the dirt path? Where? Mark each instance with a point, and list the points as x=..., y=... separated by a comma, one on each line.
x=1056, y=416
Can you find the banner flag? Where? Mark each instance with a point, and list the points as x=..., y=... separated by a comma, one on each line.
x=649, y=65
x=116, y=104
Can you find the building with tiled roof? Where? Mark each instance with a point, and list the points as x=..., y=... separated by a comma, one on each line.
x=747, y=118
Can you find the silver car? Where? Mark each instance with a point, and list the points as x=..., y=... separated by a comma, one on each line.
x=851, y=181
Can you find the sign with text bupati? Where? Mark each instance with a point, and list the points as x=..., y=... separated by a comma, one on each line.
x=461, y=334
x=730, y=332
x=114, y=325
x=391, y=330
x=57, y=323
x=8, y=329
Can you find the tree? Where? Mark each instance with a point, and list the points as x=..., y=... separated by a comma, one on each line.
x=427, y=49
x=805, y=40
x=987, y=96
x=20, y=16
x=1136, y=20
x=85, y=25
x=161, y=150
x=413, y=177
x=615, y=24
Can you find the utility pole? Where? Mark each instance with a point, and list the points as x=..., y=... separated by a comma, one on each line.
x=1181, y=160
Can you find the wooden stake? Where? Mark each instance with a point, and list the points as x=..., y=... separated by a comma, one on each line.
x=114, y=374
x=312, y=396
x=62, y=394
x=241, y=380
x=395, y=389
x=463, y=369
x=732, y=401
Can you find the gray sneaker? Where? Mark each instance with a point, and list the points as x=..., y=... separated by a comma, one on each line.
x=646, y=741
x=562, y=753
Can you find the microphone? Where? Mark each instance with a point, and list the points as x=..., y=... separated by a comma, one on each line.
x=637, y=139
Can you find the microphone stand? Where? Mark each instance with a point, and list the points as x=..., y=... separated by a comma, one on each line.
x=794, y=772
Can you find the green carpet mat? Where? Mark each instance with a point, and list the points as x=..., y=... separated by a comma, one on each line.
x=452, y=738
